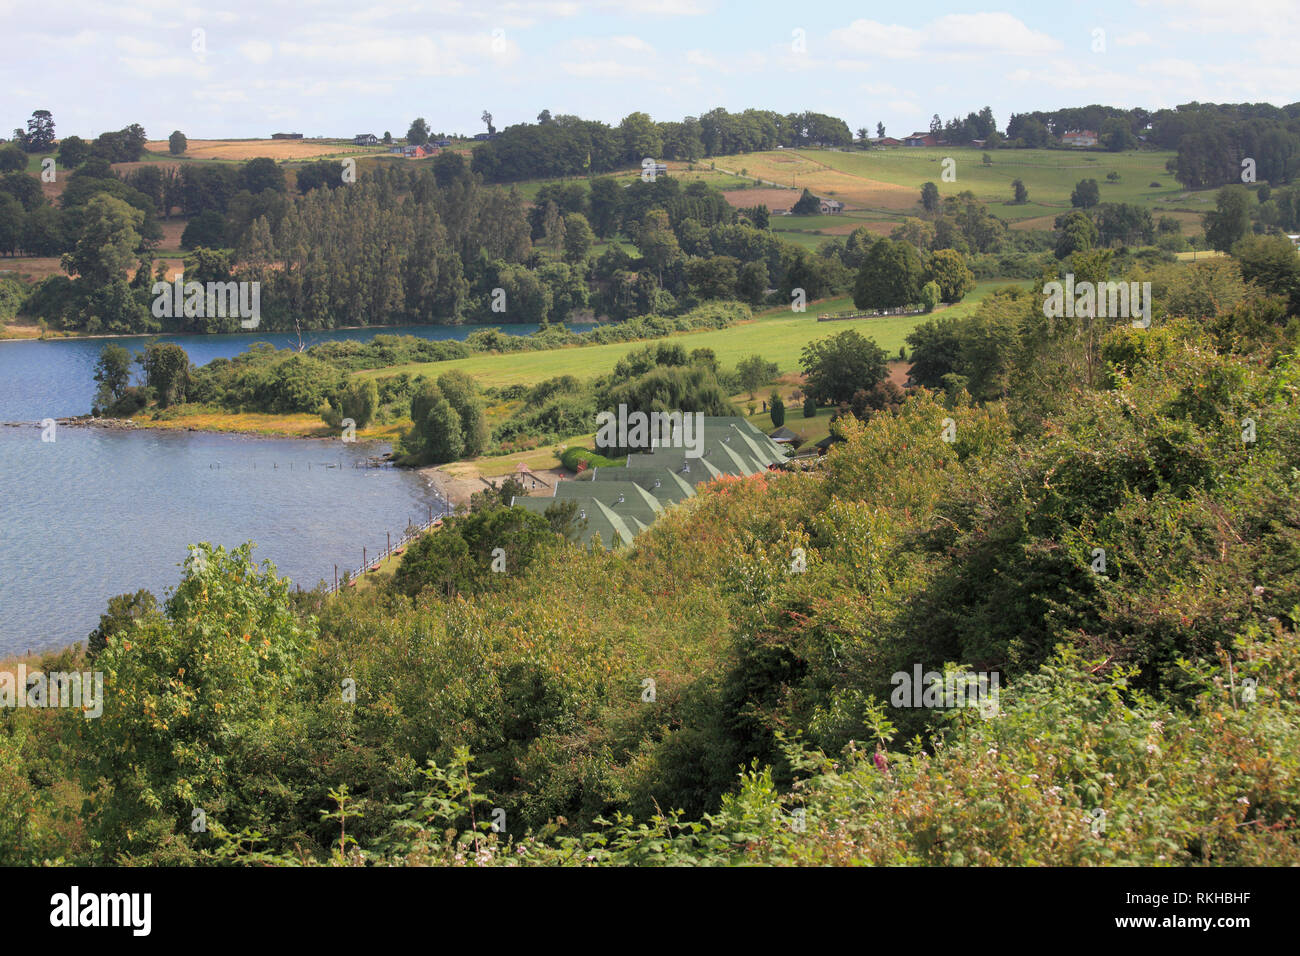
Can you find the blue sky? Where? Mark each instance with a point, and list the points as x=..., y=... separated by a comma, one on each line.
x=338, y=68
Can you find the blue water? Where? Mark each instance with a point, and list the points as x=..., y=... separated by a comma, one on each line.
x=97, y=513
x=55, y=379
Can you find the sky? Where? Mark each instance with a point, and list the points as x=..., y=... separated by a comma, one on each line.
x=332, y=68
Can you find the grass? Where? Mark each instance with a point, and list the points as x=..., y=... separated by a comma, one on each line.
x=200, y=418
x=810, y=430
x=678, y=170
x=884, y=185
x=777, y=334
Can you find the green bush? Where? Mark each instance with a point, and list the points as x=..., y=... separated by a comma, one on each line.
x=575, y=455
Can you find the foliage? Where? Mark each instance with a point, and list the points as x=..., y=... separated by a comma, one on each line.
x=836, y=367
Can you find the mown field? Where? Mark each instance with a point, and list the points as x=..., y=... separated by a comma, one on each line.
x=778, y=335
x=240, y=150
x=880, y=187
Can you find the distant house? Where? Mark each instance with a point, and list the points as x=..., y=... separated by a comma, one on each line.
x=396, y=149
x=659, y=168
x=480, y=136
x=1080, y=137
x=444, y=142
x=921, y=139
x=418, y=152
x=286, y=136
x=783, y=436
x=1295, y=239
x=882, y=141
x=365, y=139
x=830, y=207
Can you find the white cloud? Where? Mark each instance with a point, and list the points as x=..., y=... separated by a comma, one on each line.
x=955, y=36
x=1136, y=38
x=728, y=64
x=256, y=51
x=607, y=70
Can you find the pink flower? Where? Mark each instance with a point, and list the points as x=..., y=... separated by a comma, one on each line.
x=881, y=763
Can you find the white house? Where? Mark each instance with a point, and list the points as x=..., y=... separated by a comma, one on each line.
x=1080, y=137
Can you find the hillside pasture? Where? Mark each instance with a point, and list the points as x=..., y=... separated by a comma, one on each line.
x=240, y=150
x=881, y=187
x=778, y=335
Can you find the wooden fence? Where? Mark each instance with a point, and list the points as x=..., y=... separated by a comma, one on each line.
x=351, y=576
x=866, y=314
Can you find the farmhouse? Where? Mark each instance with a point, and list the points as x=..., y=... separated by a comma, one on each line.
x=286, y=136
x=1079, y=137
x=365, y=139
x=415, y=152
x=921, y=139
x=882, y=141
x=619, y=503
x=830, y=207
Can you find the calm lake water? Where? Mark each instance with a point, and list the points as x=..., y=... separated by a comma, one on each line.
x=97, y=513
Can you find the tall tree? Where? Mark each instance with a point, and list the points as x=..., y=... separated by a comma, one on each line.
x=39, y=137
x=1230, y=220
x=113, y=373
x=836, y=367
x=418, y=134
x=110, y=235
x=930, y=197
x=1086, y=194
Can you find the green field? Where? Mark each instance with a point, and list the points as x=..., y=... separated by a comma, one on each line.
x=884, y=185
x=777, y=335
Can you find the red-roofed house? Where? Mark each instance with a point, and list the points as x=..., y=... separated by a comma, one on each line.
x=1080, y=137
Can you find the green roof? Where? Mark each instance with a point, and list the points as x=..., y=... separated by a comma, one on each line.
x=653, y=480
x=593, y=518
x=667, y=486
x=624, y=498
x=760, y=446
x=675, y=460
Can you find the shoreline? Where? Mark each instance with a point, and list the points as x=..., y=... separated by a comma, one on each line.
x=129, y=425
x=58, y=335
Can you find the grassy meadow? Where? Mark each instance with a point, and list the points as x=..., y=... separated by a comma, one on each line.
x=777, y=334
x=880, y=187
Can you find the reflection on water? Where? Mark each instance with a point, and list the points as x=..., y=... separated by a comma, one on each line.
x=98, y=513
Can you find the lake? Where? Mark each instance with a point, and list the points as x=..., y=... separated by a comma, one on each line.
x=100, y=512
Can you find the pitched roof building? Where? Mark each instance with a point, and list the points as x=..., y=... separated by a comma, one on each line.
x=618, y=503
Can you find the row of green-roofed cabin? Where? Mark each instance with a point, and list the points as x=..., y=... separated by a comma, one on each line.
x=728, y=429
x=667, y=487
x=619, y=503
x=592, y=518
x=624, y=498
x=719, y=458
